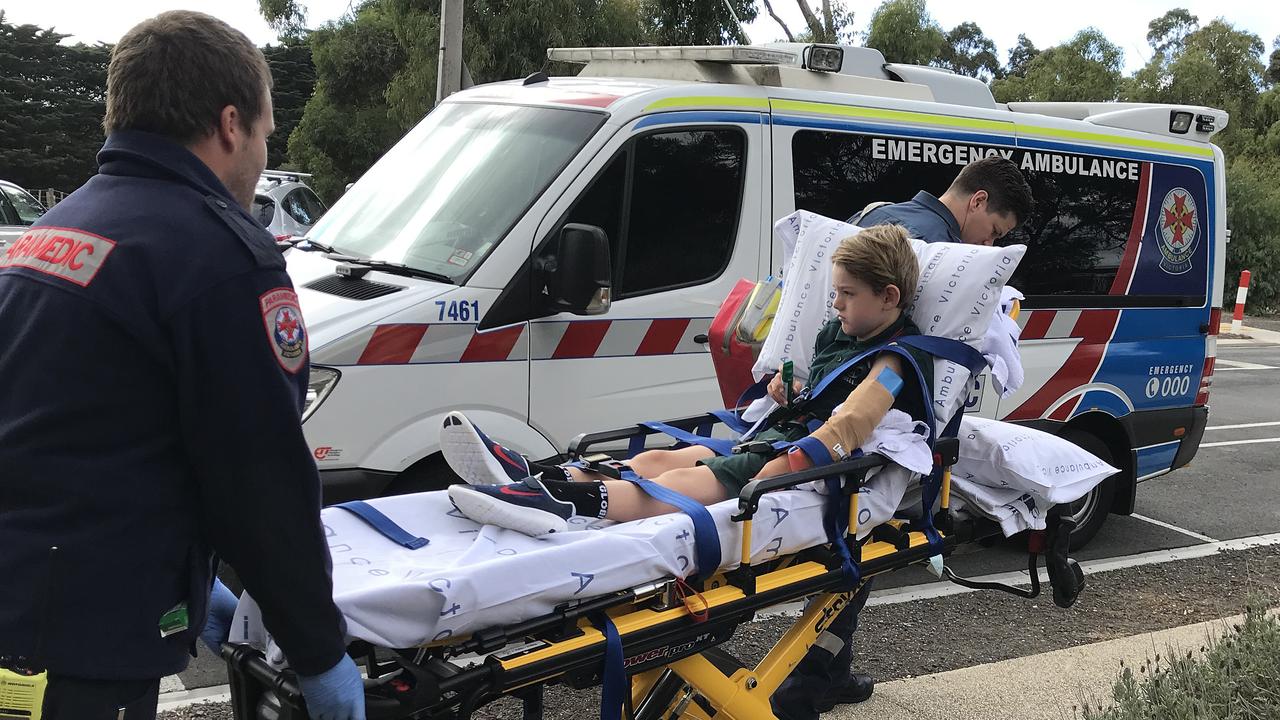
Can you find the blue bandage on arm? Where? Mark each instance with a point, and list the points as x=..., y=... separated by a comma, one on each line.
x=890, y=380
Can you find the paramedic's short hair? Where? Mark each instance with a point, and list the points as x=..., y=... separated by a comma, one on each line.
x=1007, y=190
x=881, y=256
x=173, y=74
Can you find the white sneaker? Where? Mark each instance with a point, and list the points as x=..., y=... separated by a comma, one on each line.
x=525, y=507
x=477, y=459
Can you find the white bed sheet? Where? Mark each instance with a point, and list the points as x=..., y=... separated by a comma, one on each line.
x=471, y=576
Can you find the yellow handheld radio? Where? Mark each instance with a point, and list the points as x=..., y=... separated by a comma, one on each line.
x=23, y=682
x=21, y=693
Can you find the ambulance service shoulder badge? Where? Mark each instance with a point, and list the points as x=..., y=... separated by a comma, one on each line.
x=282, y=319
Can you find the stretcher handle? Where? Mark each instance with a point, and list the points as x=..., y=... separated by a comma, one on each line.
x=854, y=469
x=582, y=443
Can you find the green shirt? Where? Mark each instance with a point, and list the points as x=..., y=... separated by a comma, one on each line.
x=834, y=347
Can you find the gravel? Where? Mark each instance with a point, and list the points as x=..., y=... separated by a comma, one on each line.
x=928, y=636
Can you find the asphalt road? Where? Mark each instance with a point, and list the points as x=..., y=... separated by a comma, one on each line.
x=1229, y=490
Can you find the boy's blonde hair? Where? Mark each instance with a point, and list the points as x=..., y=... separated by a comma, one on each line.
x=881, y=256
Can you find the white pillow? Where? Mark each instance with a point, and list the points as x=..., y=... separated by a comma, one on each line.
x=956, y=297
x=1006, y=456
x=960, y=286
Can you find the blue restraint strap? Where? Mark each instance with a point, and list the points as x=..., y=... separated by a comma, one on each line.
x=706, y=539
x=835, y=520
x=614, y=679
x=948, y=349
x=383, y=524
x=716, y=445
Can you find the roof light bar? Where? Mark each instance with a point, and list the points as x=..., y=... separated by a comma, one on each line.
x=737, y=54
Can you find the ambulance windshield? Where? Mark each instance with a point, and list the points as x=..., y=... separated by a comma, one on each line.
x=449, y=191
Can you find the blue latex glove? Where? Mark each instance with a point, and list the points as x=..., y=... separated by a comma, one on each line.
x=335, y=694
x=222, y=611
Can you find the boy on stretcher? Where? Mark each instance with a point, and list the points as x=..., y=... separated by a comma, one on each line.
x=874, y=274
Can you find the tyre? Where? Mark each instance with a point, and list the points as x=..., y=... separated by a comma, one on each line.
x=431, y=473
x=1090, y=511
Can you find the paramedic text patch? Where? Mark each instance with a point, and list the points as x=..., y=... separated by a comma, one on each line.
x=72, y=255
x=283, y=321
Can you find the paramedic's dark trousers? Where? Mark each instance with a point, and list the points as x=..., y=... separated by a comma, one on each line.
x=820, y=671
x=70, y=698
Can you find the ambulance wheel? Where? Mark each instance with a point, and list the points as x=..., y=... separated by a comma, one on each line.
x=430, y=473
x=1090, y=511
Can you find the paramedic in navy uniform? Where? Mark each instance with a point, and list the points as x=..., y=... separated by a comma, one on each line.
x=987, y=200
x=155, y=365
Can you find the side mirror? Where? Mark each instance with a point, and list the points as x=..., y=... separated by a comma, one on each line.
x=582, y=281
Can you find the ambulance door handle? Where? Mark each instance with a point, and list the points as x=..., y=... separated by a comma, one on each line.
x=701, y=338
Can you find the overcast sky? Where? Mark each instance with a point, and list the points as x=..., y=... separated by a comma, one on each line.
x=1046, y=23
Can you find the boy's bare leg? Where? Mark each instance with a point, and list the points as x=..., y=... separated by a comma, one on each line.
x=651, y=464
x=628, y=502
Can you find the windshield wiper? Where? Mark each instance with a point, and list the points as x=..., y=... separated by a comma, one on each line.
x=311, y=245
x=399, y=269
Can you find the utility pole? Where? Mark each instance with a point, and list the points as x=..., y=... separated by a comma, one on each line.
x=449, y=68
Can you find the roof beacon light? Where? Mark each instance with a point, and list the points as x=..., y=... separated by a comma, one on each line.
x=826, y=58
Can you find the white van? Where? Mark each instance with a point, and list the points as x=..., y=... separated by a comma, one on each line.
x=546, y=255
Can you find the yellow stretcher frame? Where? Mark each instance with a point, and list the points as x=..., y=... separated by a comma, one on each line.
x=669, y=652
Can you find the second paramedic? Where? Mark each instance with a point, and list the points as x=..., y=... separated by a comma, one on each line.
x=987, y=200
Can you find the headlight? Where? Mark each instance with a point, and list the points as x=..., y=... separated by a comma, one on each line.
x=319, y=385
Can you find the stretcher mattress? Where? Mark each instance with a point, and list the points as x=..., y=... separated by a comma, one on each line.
x=472, y=576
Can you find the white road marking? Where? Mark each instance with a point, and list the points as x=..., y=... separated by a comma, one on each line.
x=1175, y=528
x=172, y=683
x=1239, y=442
x=1243, y=425
x=1239, y=365
x=925, y=591
x=184, y=698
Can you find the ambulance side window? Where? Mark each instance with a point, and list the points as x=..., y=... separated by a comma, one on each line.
x=1077, y=234
x=686, y=193
x=836, y=174
x=669, y=202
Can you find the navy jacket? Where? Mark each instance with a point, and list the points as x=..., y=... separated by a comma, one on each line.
x=154, y=365
x=924, y=216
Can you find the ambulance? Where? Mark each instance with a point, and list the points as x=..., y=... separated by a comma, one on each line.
x=546, y=254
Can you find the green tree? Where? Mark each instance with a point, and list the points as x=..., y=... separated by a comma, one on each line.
x=1085, y=68
x=1253, y=214
x=51, y=106
x=376, y=69
x=346, y=125
x=1020, y=56
x=968, y=51
x=293, y=81
x=1273, y=67
x=1167, y=32
x=686, y=22
x=904, y=32
x=1215, y=65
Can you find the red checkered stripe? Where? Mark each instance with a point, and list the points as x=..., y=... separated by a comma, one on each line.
x=421, y=343
x=1093, y=328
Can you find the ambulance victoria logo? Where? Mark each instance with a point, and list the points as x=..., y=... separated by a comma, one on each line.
x=283, y=322
x=1179, y=225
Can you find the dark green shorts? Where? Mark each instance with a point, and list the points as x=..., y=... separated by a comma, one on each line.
x=735, y=471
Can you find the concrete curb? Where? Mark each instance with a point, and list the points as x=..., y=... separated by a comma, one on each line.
x=1258, y=335
x=1046, y=686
